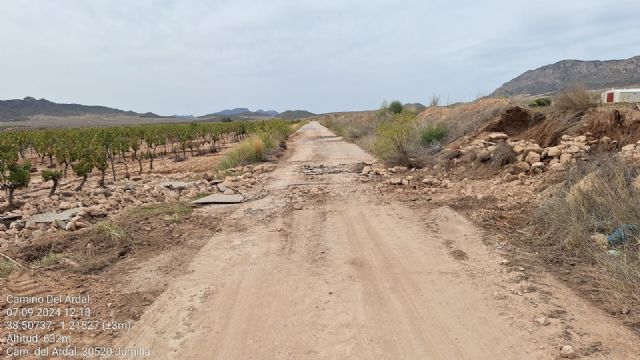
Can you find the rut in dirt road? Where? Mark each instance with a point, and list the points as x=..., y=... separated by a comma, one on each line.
x=323, y=269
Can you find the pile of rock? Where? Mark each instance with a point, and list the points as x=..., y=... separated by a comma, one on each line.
x=570, y=150
x=371, y=169
x=90, y=205
x=631, y=152
x=531, y=157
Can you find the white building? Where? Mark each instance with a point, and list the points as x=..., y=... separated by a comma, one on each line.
x=621, y=95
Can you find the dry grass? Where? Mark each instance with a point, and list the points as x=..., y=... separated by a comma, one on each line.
x=250, y=151
x=597, y=198
x=503, y=155
x=396, y=139
x=575, y=98
x=464, y=119
x=50, y=259
x=6, y=267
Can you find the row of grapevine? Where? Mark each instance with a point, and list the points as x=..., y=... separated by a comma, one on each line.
x=87, y=149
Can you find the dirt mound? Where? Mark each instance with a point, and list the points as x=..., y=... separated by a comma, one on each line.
x=620, y=123
x=549, y=130
x=468, y=109
x=513, y=121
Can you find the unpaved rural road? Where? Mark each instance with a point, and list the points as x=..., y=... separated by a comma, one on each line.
x=323, y=269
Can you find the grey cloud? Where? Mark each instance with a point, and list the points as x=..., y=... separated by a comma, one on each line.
x=199, y=56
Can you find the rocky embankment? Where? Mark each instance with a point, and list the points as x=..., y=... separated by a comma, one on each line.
x=69, y=210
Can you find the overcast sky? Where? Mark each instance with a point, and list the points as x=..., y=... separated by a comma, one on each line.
x=197, y=56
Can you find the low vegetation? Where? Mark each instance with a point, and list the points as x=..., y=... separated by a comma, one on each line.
x=395, y=107
x=50, y=259
x=432, y=133
x=257, y=147
x=166, y=211
x=540, y=102
x=596, y=200
x=407, y=138
x=248, y=152
x=575, y=98
x=6, y=267
x=503, y=155
x=395, y=139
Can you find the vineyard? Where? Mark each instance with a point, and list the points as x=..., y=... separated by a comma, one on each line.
x=85, y=151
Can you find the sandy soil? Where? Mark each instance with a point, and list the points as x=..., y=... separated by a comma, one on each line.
x=323, y=268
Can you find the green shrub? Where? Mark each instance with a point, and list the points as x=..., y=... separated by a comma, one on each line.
x=541, y=102
x=396, y=107
x=6, y=267
x=50, y=259
x=394, y=139
x=432, y=133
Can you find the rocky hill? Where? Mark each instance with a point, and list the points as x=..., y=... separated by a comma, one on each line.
x=591, y=74
x=295, y=114
x=16, y=110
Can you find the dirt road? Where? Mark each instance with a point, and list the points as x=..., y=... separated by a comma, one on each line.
x=322, y=268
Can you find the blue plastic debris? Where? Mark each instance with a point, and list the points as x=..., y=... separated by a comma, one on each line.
x=622, y=235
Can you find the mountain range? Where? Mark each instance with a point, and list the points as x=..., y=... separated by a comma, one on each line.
x=593, y=75
x=246, y=112
x=22, y=109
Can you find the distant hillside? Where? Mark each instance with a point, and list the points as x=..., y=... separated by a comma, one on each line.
x=246, y=112
x=295, y=114
x=415, y=107
x=16, y=110
x=591, y=74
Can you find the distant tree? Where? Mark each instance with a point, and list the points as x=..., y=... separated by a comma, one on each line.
x=396, y=107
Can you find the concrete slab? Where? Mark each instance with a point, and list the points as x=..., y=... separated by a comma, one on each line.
x=52, y=217
x=220, y=199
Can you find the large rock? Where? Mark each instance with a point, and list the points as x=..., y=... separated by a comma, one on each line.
x=567, y=352
x=601, y=241
x=554, y=151
x=537, y=166
x=66, y=205
x=533, y=147
x=555, y=165
x=52, y=217
x=630, y=147
x=498, y=136
x=532, y=157
x=522, y=166
x=431, y=181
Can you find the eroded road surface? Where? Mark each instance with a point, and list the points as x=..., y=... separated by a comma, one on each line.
x=323, y=268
